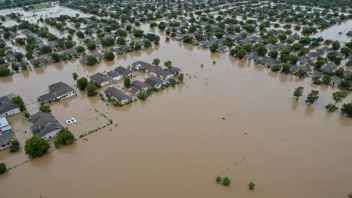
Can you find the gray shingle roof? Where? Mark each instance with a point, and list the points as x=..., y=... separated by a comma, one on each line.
x=5, y=138
x=44, y=123
x=116, y=93
x=56, y=90
x=6, y=105
x=153, y=81
x=100, y=78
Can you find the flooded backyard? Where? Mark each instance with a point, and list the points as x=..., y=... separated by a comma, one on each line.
x=231, y=118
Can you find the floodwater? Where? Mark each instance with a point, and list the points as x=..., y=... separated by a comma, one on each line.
x=332, y=33
x=231, y=119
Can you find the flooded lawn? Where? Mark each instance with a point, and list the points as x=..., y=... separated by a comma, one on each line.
x=230, y=118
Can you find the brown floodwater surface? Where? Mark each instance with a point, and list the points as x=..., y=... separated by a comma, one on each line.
x=231, y=119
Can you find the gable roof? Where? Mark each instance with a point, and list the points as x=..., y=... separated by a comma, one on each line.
x=141, y=64
x=113, y=74
x=153, y=81
x=123, y=71
x=44, y=123
x=100, y=78
x=56, y=90
x=140, y=85
x=6, y=104
x=117, y=94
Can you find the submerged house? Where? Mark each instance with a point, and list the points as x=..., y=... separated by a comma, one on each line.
x=154, y=82
x=140, y=85
x=5, y=134
x=116, y=94
x=116, y=76
x=7, y=107
x=58, y=91
x=101, y=79
x=44, y=125
x=140, y=65
x=124, y=71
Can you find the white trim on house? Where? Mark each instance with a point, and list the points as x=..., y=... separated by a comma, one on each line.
x=51, y=134
x=68, y=95
x=10, y=113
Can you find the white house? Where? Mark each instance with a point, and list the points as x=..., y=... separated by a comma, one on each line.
x=114, y=93
x=7, y=107
x=116, y=76
x=5, y=134
x=101, y=79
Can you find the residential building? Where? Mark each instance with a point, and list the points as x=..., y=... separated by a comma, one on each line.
x=101, y=79
x=140, y=65
x=124, y=71
x=44, y=125
x=7, y=107
x=115, y=94
x=175, y=71
x=154, y=82
x=5, y=134
x=58, y=91
x=116, y=76
x=140, y=85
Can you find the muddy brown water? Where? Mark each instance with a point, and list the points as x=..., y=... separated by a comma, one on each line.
x=176, y=143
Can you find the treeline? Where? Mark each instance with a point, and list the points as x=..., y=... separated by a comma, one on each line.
x=321, y=3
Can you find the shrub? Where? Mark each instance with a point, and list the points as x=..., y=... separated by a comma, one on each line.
x=317, y=81
x=15, y=146
x=45, y=108
x=143, y=95
x=275, y=68
x=218, y=179
x=64, y=137
x=331, y=107
x=3, y=168
x=347, y=109
x=27, y=115
x=36, y=147
x=226, y=181
x=251, y=186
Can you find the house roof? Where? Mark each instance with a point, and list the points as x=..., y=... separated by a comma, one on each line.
x=303, y=59
x=97, y=54
x=134, y=91
x=56, y=90
x=117, y=94
x=113, y=74
x=174, y=70
x=313, y=54
x=294, y=69
x=123, y=71
x=44, y=123
x=6, y=104
x=153, y=81
x=140, y=85
x=100, y=78
x=349, y=63
x=141, y=64
x=5, y=138
x=329, y=68
x=317, y=74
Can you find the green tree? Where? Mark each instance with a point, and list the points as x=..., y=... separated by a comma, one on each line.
x=273, y=54
x=297, y=46
x=75, y=76
x=91, y=60
x=286, y=68
x=214, y=47
x=336, y=45
x=45, y=49
x=186, y=39
x=4, y=71
x=45, y=108
x=109, y=56
x=15, y=146
x=156, y=61
x=293, y=58
x=143, y=95
x=218, y=179
x=3, y=168
x=326, y=80
x=82, y=83
x=80, y=34
x=138, y=33
x=19, y=57
x=36, y=147
x=64, y=137
x=331, y=56
x=168, y=64
x=346, y=51
x=91, y=46
x=347, y=109
x=312, y=97
x=19, y=102
x=241, y=54
x=127, y=83
x=251, y=186
x=298, y=93
x=80, y=49
x=91, y=89
x=248, y=47
x=226, y=181
x=121, y=41
x=55, y=57
x=261, y=50
x=181, y=78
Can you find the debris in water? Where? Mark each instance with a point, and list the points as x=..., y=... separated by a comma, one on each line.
x=223, y=118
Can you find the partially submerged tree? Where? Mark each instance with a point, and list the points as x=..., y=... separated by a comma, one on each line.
x=15, y=146
x=338, y=96
x=64, y=137
x=3, y=168
x=127, y=83
x=36, y=147
x=312, y=97
x=82, y=83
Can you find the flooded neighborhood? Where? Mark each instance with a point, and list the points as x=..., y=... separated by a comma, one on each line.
x=175, y=99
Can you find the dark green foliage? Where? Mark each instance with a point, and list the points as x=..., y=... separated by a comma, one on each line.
x=317, y=82
x=15, y=146
x=64, y=137
x=3, y=168
x=226, y=181
x=36, y=147
x=91, y=46
x=331, y=107
x=55, y=57
x=80, y=34
x=187, y=39
x=27, y=115
x=156, y=61
x=181, y=78
x=82, y=83
x=80, y=49
x=275, y=68
x=347, y=109
x=19, y=102
x=218, y=179
x=143, y=95
x=214, y=47
x=127, y=83
x=312, y=97
x=251, y=186
x=75, y=76
x=91, y=89
x=326, y=80
x=4, y=71
x=298, y=93
x=109, y=55
x=45, y=108
x=91, y=60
